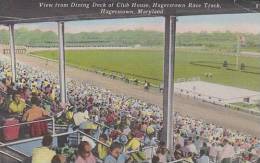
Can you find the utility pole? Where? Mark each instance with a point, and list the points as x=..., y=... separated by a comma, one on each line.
x=237, y=52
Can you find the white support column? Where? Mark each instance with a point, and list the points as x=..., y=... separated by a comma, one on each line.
x=12, y=51
x=62, y=62
x=169, y=58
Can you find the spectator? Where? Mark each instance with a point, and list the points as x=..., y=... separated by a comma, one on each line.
x=185, y=150
x=84, y=153
x=115, y=155
x=2, y=103
x=90, y=102
x=205, y=148
x=213, y=152
x=3, y=87
x=135, y=144
x=17, y=105
x=26, y=94
x=43, y=154
x=197, y=143
x=191, y=147
x=180, y=140
x=155, y=159
x=203, y=157
x=178, y=154
x=102, y=150
x=58, y=159
x=227, y=152
x=189, y=158
x=162, y=152
x=110, y=118
x=36, y=112
x=80, y=117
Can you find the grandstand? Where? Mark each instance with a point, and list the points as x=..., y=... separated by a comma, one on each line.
x=86, y=119
x=103, y=98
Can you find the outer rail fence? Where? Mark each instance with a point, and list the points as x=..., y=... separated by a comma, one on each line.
x=17, y=51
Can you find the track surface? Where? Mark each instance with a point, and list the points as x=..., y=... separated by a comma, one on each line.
x=240, y=121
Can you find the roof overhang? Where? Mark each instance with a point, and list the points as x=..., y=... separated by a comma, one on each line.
x=29, y=11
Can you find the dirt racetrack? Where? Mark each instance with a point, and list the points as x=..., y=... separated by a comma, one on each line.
x=236, y=120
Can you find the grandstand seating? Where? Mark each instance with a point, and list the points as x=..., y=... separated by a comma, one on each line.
x=132, y=122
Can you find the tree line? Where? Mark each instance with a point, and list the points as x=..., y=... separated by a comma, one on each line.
x=131, y=38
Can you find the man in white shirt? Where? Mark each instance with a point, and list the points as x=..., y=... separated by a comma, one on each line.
x=80, y=117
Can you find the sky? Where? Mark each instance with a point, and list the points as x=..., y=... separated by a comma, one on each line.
x=245, y=23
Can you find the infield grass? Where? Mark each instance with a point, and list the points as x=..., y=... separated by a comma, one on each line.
x=147, y=64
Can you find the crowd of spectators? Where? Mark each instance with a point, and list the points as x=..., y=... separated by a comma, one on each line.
x=123, y=125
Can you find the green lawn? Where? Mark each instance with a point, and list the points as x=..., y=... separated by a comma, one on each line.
x=148, y=64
